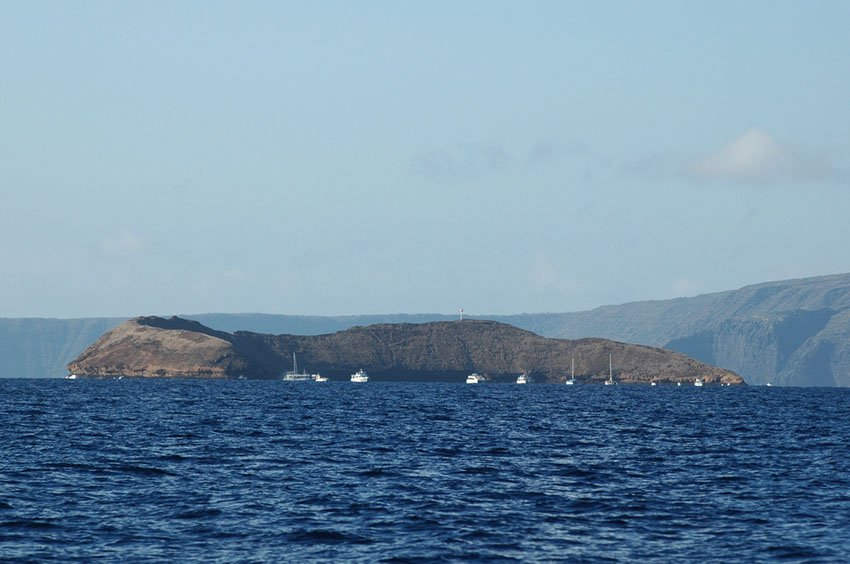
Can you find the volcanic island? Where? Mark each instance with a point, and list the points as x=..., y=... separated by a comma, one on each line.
x=158, y=347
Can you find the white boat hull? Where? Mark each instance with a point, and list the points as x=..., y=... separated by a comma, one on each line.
x=360, y=376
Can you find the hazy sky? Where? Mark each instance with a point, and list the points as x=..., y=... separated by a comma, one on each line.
x=377, y=157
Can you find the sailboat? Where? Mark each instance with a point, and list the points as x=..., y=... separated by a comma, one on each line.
x=572, y=379
x=610, y=380
x=293, y=375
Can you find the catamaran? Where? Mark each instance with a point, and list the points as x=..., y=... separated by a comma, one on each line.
x=294, y=376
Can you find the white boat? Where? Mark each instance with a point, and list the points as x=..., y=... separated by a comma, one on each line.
x=71, y=377
x=319, y=378
x=572, y=379
x=474, y=378
x=610, y=381
x=653, y=383
x=360, y=376
x=294, y=376
x=698, y=383
x=522, y=378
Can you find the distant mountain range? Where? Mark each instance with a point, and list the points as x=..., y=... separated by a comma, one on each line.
x=793, y=332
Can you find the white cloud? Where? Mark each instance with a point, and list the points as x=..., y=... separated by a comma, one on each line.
x=546, y=276
x=543, y=273
x=683, y=287
x=755, y=156
x=472, y=162
x=123, y=243
x=236, y=275
x=463, y=164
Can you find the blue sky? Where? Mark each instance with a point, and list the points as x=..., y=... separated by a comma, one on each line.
x=378, y=157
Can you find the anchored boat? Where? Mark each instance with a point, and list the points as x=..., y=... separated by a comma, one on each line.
x=360, y=376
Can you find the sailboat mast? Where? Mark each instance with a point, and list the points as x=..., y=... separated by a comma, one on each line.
x=572, y=368
x=610, y=372
x=294, y=364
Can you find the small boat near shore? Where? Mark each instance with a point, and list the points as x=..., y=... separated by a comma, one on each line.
x=474, y=378
x=522, y=378
x=360, y=376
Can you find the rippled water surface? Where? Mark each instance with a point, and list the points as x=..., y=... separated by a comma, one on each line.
x=259, y=471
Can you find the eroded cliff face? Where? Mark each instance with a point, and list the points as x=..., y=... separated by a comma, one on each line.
x=823, y=359
x=775, y=348
x=155, y=347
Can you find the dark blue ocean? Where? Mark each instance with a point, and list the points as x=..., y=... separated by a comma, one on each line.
x=158, y=470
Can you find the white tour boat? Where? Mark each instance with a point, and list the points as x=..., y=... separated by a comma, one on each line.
x=474, y=378
x=360, y=376
x=522, y=378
